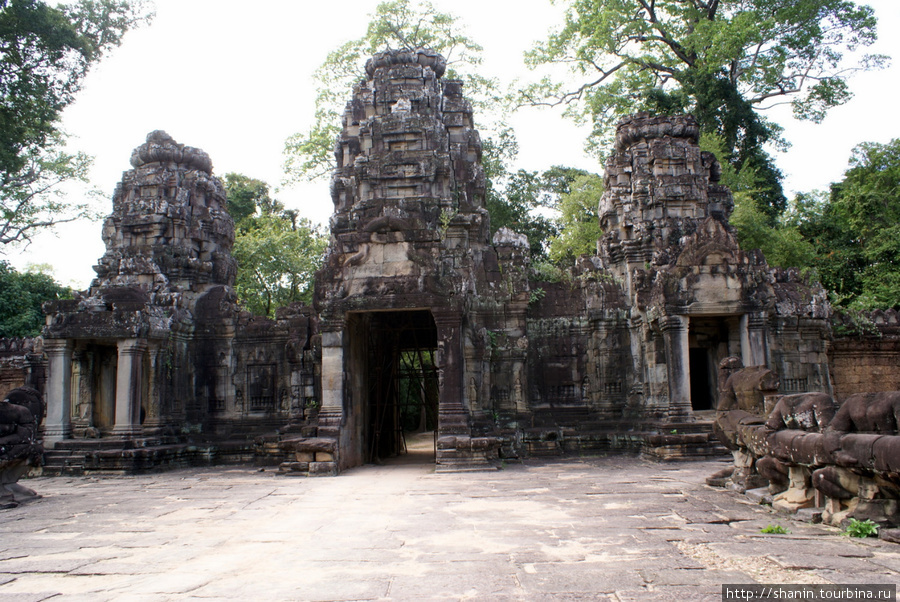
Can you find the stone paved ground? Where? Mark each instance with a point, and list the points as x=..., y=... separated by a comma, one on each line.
x=616, y=528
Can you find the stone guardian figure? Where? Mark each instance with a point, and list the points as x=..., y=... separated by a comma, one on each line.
x=21, y=413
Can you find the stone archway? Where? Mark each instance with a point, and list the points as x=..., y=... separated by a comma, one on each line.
x=402, y=384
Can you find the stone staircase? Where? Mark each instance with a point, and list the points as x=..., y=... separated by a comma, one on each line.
x=63, y=463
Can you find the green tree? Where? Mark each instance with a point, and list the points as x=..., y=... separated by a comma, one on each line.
x=46, y=53
x=277, y=252
x=34, y=199
x=21, y=296
x=856, y=229
x=528, y=202
x=244, y=195
x=396, y=24
x=719, y=59
x=579, y=220
x=782, y=244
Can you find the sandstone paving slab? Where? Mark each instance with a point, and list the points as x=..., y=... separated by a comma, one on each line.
x=534, y=531
x=26, y=597
x=472, y=582
x=670, y=593
x=581, y=577
x=300, y=587
x=860, y=577
x=809, y=561
x=55, y=585
x=890, y=562
x=664, y=577
x=37, y=564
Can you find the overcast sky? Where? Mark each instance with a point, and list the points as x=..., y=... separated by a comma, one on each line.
x=234, y=79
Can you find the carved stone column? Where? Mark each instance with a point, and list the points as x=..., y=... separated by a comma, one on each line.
x=59, y=390
x=331, y=411
x=675, y=334
x=129, y=387
x=154, y=420
x=753, y=340
x=452, y=416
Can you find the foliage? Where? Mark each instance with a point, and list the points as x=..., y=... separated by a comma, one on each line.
x=277, y=252
x=527, y=201
x=579, y=220
x=46, y=53
x=779, y=236
x=546, y=271
x=21, y=296
x=396, y=24
x=244, y=195
x=719, y=59
x=776, y=529
x=513, y=201
x=34, y=198
x=861, y=528
x=782, y=244
x=855, y=229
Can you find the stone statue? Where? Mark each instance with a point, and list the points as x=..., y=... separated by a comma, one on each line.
x=21, y=413
x=743, y=400
x=861, y=480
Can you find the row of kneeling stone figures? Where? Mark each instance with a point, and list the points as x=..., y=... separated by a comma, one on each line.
x=811, y=452
x=21, y=412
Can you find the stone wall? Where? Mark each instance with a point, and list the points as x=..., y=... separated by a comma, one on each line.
x=865, y=354
x=22, y=364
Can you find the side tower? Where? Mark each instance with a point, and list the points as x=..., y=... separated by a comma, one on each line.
x=695, y=296
x=122, y=356
x=409, y=246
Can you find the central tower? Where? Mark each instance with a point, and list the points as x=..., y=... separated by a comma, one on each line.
x=409, y=242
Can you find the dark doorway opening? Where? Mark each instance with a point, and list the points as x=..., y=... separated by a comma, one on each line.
x=701, y=392
x=711, y=339
x=403, y=387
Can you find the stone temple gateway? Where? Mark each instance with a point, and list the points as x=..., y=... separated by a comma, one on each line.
x=421, y=320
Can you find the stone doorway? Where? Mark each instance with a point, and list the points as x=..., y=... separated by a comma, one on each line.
x=701, y=392
x=95, y=368
x=402, y=385
x=711, y=340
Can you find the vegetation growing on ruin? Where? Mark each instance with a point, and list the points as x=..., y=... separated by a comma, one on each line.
x=861, y=528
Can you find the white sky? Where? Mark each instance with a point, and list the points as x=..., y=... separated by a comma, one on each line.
x=235, y=80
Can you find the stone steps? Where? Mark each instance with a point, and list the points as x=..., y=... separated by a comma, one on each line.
x=63, y=463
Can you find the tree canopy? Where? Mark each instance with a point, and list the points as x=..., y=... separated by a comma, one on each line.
x=22, y=294
x=722, y=60
x=277, y=252
x=395, y=24
x=855, y=229
x=46, y=53
x=579, y=219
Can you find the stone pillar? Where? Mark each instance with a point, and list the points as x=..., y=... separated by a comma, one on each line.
x=153, y=421
x=59, y=391
x=675, y=334
x=129, y=387
x=754, y=350
x=452, y=415
x=331, y=411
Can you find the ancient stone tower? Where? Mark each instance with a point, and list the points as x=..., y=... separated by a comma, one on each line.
x=408, y=253
x=168, y=254
x=695, y=297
